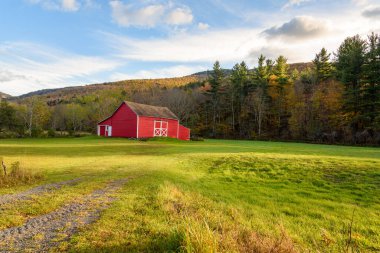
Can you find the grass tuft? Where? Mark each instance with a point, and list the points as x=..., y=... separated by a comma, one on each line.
x=16, y=175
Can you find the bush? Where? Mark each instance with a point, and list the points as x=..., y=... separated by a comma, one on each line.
x=16, y=175
x=51, y=133
x=196, y=138
x=8, y=134
x=37, y=132
x=71, y=132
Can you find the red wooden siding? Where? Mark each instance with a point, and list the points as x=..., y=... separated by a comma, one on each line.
x=123, y=122
x=146, y=126
x=183, y=133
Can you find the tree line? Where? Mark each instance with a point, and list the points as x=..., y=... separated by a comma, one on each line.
x=336, y=99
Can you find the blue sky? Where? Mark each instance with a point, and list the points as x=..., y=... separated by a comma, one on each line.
x=59, y=43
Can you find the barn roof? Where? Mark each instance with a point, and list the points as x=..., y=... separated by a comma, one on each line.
x=151, y=111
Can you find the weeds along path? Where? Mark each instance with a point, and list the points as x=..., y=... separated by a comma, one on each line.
x=45, y=232
x=10, y=198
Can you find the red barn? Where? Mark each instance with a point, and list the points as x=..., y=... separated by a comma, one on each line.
x=133, y=120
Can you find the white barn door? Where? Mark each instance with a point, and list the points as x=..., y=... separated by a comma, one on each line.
x=108, y=131
x=160, y=128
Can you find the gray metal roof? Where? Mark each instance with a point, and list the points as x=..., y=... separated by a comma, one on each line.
x=151, y=111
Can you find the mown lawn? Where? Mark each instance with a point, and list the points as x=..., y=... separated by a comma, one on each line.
x=211, y=196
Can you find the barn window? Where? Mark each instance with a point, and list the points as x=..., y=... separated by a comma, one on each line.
x=160, y=128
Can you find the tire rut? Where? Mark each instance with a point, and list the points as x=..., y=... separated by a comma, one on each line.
x=45, y=232
x=25, y=195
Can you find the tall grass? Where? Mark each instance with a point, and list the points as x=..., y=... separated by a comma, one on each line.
x=207, y=228
x=16, y=175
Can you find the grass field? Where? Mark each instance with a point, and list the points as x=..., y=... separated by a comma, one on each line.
x=211, y=196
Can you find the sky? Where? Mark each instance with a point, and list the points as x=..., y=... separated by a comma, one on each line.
x=58, y=43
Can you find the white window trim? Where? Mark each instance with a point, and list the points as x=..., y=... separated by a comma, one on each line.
x=177, y=129
x=137, y=125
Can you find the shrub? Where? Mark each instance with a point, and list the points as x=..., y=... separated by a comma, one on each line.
x=37, y=132
x=51, y=132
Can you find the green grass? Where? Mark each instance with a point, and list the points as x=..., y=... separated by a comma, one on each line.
x=211, y=196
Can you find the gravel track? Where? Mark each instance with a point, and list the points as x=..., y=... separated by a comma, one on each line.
x=25, y=195
x=45, y=232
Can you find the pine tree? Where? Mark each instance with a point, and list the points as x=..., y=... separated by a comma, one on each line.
x=240, y=86
x=371, y=82
x=216, y=81
x=261, y=73
x=349, y=63
x=281, y=71
x=322, y=66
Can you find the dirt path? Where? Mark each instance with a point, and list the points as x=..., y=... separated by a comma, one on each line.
x=45, y=232
x=9, y=198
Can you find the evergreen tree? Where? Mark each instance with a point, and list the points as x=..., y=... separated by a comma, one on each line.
x=261, y=73
x=240, y=86
x=322, y=66
x=281, y=71
x=216, y=81
x=371, y=82
x=349, y=63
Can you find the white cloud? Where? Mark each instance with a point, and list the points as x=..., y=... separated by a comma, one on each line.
x=360, y=2
x=203, y=26
x=299, y=27
x=227, y=45
x=62, y=5
x=25, y=67
x=291, y=3
x=173, y=71
x=372, y=12
x=180, y=16
x=126, y=15
x=70, y=5
x=150, y=15
x=6, y=76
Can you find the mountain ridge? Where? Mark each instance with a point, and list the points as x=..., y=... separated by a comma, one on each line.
x=4, y=95
x=162, y=82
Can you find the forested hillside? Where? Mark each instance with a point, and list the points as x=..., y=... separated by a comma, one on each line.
x=334, y=99
x=66, y=95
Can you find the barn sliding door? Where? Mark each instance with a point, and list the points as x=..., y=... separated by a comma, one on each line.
x=108, y=131
x=160, y=128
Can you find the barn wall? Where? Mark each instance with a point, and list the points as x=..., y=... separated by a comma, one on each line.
x=123, y=122
x=183, y=133
x=146, y=126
